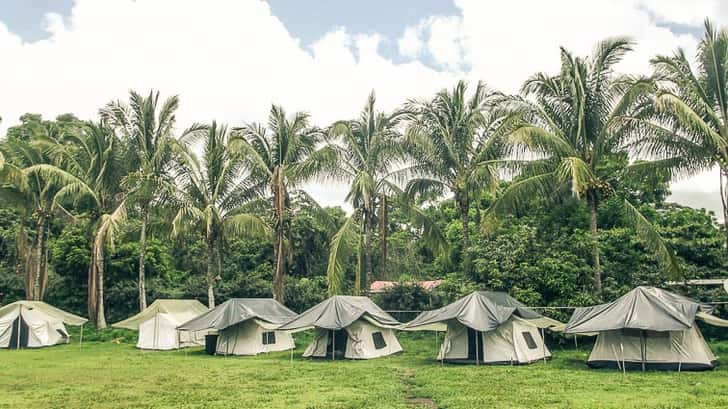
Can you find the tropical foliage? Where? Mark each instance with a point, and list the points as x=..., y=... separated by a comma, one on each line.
x=557, y=195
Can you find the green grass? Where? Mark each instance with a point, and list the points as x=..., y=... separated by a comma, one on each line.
x=105, y=374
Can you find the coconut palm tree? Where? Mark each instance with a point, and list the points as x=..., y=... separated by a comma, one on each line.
x=282, y=156
x=33, y=195
x=458, y=144
x=571, y=128
x=88, y=169
x=211, y=196
x=370, y=153
x=684, y=125
x=148, y=127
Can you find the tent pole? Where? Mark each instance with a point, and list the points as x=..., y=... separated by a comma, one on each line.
x=20, y=317
x=643, y=348
x=576, y=343
x=543, y=344
x=477, y=347
x=333, y=345
x=624, y=368
x=80, y=339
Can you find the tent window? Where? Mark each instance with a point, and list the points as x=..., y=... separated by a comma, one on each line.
x=269, y=338
x=378, y=339
x=530, y=342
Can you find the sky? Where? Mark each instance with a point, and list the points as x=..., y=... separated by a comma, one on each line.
x=230, y=59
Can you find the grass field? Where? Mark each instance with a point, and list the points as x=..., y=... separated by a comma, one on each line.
x=116, y=375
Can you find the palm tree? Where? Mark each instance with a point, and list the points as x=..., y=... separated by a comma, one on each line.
x=458, y=144
x=369, y=152
x=33, y=195
x=684, y=126
x=283, y=157
x=89, y=169
x=211, y=197
x=571, y=129
x=148, y=127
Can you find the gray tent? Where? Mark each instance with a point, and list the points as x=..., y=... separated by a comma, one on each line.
x=487, y=327
x=246, y=326
x=647, y=328
x=352, y=327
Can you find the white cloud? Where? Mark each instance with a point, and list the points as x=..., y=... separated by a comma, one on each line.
x=411, y=44
x=227, y=59
x=691, y=12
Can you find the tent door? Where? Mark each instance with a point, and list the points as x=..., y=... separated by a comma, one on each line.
x=339, y=339
x=475, y=345
x=20, y=329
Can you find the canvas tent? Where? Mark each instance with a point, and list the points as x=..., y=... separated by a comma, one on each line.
x=349, y=327
x=245, y=326
x=647, y=328
x=34, y=324
x=157, y=324
x=487, y=327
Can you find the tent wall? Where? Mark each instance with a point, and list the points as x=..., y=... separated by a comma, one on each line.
x=364, y=341
x=247, y=338
x=685, y=350
x=160, y=333
x=516, y=341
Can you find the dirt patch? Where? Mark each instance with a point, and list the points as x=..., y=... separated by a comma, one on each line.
x=412, y=399
x=422, y=403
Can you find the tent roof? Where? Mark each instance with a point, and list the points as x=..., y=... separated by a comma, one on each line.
x=480, y=310
x=237, y=310
x=47, y=309
x=647, y=308
x=180, y=308
x=339, y=312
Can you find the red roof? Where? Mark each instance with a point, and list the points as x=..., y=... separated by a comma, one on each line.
x=381, y=286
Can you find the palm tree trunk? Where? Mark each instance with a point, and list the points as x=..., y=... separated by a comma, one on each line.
x=142, y=254
x=383, y=232
x=210, y=273
x=596, y=264
x=464, y=204
x=724, y=200
x=21, y=262
x=38, y=255
x=99, y=263
x=279, y=204
x=92, y=291
x=368, y=259
x=280, y=259
x=44, y=271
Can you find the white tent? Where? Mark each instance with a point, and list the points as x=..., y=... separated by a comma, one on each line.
x=348, y=327
x=246, y=326
x=487, y=327
x=157, y=324
x=34, y=324
x=647, y=328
